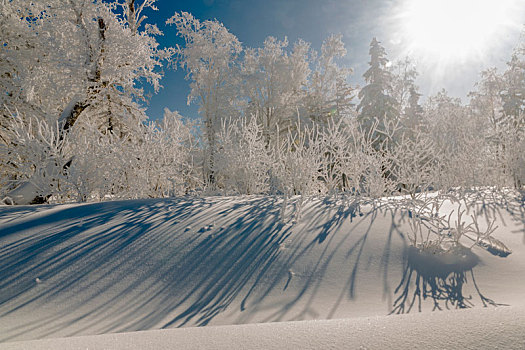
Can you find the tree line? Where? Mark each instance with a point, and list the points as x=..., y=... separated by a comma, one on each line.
x=278, y=119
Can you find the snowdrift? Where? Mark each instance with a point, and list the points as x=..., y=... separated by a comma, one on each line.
x=500, y=328
x=116, y=267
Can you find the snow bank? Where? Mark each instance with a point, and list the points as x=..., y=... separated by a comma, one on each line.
x=501, y=328
x=140, y=265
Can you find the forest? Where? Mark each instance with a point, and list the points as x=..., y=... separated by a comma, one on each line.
x=280, y=119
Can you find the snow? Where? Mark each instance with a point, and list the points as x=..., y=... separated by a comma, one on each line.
x=330, y=275
x=24, y=194
x=500, y=328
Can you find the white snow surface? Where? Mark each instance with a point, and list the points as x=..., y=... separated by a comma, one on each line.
x=326, y=274
x=24, y=194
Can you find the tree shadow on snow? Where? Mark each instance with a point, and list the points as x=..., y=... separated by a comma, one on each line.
x=135, y=265
x=500, y=204
x=159, y=263
x=439, y=276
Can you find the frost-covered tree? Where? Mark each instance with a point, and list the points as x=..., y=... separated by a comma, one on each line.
x=329, y=94
x=513, y=95
x=404, y=74
x=461, y=138
x=500, y=99
x=274, y=83
x=405, y=92
x=376, y=98
x=486, y=101
x=486, y=105
x=209, y=56
x=80, y=56
x=77, y=62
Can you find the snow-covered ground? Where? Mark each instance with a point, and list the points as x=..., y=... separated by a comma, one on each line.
x=331, y=272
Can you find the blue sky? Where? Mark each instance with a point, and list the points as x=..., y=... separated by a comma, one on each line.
x=313, y=20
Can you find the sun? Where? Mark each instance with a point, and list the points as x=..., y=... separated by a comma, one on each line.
x=454, y=30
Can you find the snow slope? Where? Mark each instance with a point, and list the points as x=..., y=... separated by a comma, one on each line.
x=85, y=269
x=500, y=328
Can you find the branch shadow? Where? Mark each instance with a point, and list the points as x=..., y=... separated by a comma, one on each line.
x=439, y=276
x=160, y=263
x=135, y=265
x=497, y=203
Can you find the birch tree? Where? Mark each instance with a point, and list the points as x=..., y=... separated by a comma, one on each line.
x=209, y=56
x=329, y=95
x=274, y=83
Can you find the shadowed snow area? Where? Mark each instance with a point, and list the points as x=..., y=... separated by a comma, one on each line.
x=85, y=269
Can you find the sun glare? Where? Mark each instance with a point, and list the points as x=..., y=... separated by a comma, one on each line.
x=454, y=30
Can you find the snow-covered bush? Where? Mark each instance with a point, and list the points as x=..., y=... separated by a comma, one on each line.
x=347, y=156
x=243, y=161
x=86, y=164
x=439, y=223
x=162, y=163
x=309, y=160
x=415, y=163
x=96, y=166
x=32, y=154
x=298, y=168
x=461, y=139
x=341, y=156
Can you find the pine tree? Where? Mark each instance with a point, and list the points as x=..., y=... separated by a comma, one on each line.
x=376, y=101
x=513, y=95
x=413, y=114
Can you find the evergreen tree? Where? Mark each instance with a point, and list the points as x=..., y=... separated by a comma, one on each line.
x=376, y=101
x=413, y=114
x=513, y=95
